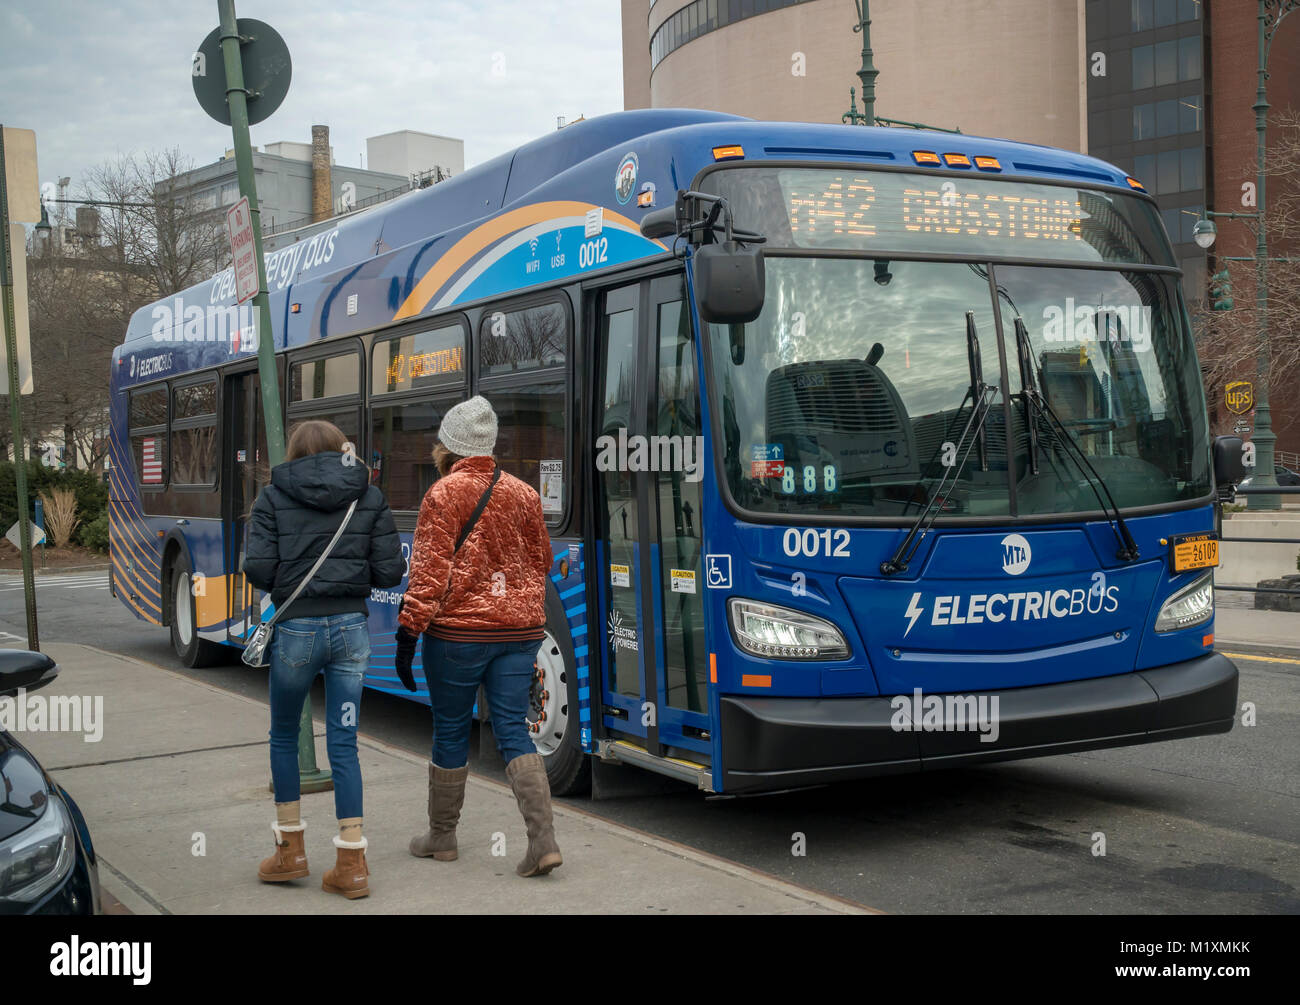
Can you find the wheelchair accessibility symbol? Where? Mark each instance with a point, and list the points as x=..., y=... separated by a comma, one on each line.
x=717, y=571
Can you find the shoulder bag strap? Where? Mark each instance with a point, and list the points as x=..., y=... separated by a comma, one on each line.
x=478, y=511
x=315, y=568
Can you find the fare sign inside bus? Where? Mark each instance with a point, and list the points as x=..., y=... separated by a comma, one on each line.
x=239, y=224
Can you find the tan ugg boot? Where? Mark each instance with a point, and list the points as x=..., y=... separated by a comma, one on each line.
x=527, y=775
x=446, y=797
x=290, y=858
x=348, y=877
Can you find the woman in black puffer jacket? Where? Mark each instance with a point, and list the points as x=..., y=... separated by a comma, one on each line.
x=292, y=521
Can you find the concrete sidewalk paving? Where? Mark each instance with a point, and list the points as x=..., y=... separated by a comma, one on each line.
x=183, y=766
x=1236, y=626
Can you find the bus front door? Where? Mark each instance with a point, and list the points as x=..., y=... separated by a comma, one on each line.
x=648, y=479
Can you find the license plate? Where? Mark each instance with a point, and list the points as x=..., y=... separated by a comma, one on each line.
x=1194, y=551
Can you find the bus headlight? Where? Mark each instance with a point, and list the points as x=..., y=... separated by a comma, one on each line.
x=782, y=634
x=1192, y=605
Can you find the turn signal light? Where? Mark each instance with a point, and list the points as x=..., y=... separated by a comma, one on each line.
x=1134, y=183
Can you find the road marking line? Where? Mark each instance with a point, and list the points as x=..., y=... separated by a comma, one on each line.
x=1262, y=659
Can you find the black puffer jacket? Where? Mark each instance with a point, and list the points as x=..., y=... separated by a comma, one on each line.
x=295, y=517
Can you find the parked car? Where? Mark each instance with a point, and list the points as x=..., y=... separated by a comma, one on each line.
x=1284, y=476
x=47, y=861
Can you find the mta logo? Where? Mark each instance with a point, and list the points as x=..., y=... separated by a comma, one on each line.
x=1015, y=554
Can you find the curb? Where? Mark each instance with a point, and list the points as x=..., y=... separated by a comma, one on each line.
x=138, y=901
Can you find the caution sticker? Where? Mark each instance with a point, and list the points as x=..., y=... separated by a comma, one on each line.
x=620, y=575
x=683, y=580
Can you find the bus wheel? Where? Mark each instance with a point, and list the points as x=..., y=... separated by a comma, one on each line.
x=553, y=708
x=192, y=650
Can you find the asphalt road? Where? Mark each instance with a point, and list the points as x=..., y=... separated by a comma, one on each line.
x=1210, y=824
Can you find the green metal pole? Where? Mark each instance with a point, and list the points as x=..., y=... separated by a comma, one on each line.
x=868, y=73
x=312, y=778
x=15, y=405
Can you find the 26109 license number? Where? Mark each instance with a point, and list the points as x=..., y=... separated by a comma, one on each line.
x=1194, y=551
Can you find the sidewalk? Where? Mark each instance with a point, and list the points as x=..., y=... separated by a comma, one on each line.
x=183, y=764
x=1236, y=626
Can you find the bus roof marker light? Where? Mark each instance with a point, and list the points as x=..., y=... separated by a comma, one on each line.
x=956, y=160
x=1134, y=183
x=988, y=163
x=731, y=153
x=926, y=157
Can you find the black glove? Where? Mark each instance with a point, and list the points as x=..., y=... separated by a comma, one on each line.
x=406, y=641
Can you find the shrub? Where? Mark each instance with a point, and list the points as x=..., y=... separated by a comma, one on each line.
x=89, y=489
x=60, y=515
x=94, y=535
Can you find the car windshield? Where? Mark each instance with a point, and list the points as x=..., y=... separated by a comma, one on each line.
x=850, y=392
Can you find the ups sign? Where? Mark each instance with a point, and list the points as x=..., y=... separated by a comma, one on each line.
x=1239, y=396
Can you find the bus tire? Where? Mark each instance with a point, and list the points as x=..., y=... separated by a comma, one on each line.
x=558, y=735
x=192, y=650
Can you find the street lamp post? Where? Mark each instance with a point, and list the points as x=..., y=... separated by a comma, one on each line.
x=1270, y=16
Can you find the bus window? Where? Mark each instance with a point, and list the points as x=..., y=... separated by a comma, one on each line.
x=194, y=435
x=402, y=437
x=148, y=432
x=527, y=339
x=328, y=377
x=531, y=439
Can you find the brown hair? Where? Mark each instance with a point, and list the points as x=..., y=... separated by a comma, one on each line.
x=444, y=458
x=314, y=436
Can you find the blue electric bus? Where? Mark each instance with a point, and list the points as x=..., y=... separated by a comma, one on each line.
x=863, y=450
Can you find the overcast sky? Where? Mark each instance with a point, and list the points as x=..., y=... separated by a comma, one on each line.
x=101, y=78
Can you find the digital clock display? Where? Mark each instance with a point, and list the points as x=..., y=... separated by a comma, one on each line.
x=967, y=213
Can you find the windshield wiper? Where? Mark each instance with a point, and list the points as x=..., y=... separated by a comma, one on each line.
x=1036, y=401
x=981, y=396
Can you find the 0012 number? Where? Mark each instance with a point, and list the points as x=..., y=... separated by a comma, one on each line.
x=815, y=543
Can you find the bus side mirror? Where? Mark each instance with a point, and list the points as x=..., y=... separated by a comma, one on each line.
x=1228, y=461
x=730, y=283
x=659, y=223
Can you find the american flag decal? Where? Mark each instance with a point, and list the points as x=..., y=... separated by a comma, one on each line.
x=151, y=462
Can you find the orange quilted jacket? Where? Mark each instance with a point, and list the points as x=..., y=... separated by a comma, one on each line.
x=496, y=588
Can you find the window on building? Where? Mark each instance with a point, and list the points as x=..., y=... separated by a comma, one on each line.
x=1166, y=62
x=1189, y=10
x=1192, y=171
x=1168, y=172
x=1166, y=12
x=1141, y=16
x=1190, y=112
x=1144, y=67
x=1144, y=122
x=1166, y=118
x=1189, y=57
x=1144, y=170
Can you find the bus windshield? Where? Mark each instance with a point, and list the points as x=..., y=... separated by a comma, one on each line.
x=850, y=392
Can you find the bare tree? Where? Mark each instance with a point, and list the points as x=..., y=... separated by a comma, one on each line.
x=1228, y=341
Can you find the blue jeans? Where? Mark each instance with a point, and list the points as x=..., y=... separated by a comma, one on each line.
x=300, y=649
x=454, y=671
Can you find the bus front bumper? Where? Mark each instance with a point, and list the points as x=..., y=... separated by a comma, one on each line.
x=778, y=743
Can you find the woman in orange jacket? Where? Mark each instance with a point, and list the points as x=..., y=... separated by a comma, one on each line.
x=477, y=593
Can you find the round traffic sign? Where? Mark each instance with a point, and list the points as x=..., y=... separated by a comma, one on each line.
x=267, y=70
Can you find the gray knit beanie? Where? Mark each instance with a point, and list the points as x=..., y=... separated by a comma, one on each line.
x=470, y=428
